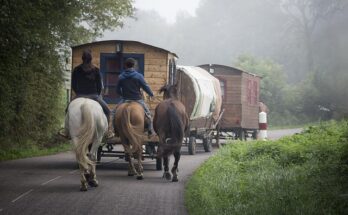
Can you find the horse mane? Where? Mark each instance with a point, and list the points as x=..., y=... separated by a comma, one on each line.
x=169, y=91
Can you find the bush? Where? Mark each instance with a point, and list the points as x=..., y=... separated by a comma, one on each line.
x=302, y=174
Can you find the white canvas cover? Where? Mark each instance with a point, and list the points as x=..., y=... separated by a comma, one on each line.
x=206, y=93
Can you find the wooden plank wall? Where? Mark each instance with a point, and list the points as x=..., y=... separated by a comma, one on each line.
x=96, y=49
x=155, y=69
x=250, y=112
x=232, y=116
x=232, y=101
x=156, y=62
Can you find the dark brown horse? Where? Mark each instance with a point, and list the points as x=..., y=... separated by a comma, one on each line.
x=129, y=124
x=170, y=124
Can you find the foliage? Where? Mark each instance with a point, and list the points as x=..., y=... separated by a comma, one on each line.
x=34, y=37
x=274, y=91
x=302, y=174
x=33, y=150
x=272, y=82
x=308, y=38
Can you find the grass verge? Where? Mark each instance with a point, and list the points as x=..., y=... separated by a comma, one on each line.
x=33, y=151
x=302, y=174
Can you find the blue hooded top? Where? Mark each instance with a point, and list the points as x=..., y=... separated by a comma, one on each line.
x=129, y=84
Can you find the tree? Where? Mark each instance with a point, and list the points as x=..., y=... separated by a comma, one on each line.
x=304, y=17
x=273, y=88
x=34, y=35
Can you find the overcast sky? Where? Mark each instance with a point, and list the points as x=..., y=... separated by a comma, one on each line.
x=168, y=8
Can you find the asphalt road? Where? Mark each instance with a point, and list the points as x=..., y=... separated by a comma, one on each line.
x=50, y=185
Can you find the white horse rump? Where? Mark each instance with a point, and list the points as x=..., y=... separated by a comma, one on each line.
x=87, y=124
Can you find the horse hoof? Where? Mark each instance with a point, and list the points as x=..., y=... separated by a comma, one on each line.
x=130, y=174
x=83, y=188
x=140, y=177
x=175, y=179
x=93, y=183
x=167, y=176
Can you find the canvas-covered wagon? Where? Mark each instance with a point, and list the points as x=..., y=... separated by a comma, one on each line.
x=201, y=95
x=240, y=100
x=156, y=64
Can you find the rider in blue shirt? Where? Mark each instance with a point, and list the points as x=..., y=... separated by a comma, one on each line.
x=129, y=84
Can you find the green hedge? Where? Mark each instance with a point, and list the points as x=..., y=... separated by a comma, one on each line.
x=302, y=174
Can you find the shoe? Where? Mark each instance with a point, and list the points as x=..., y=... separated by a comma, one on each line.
x=151, y=133
x=110, y=134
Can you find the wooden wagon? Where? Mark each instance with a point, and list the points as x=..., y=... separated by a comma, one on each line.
x=156, y=64
x=200, y=93
x=240, y=100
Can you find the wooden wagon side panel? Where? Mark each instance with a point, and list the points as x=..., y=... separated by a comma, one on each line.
x=232, y=100
x=232, y=116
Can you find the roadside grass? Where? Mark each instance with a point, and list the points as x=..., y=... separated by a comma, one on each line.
x=33, y=150
x=305, y=125
x=302, y=174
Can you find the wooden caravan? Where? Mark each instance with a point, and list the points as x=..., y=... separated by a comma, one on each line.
x=240, y=99
x=156, y=64
x=200, y=93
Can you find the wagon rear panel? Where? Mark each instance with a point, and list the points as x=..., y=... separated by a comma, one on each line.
x=155, y=62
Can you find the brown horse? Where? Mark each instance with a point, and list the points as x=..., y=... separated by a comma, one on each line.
x=129, y=123
x=170, y=123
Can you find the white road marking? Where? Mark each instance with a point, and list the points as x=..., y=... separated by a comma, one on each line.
x=72, y=172
x=1, y=210
x=24, y=194
x=50, y=180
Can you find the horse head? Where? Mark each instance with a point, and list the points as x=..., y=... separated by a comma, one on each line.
x=169, y=91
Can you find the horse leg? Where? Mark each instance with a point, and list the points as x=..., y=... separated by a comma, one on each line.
x=131, y=167
x=166, y=173
x=84, y=174
x=140, y=171
x=177, y=155
x=92, y=180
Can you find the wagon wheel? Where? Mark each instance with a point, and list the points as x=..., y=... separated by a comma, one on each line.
x=254, y=135
x=207, y=143
x=158, y=163
x=192, y=145
x=217, y=137
x=99, y=153
x=241, y=135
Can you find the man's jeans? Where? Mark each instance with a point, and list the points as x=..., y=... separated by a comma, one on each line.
x=140, y=101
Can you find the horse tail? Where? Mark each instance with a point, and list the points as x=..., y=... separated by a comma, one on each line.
x=130, y=131
x=176, y=129
x=85, y=136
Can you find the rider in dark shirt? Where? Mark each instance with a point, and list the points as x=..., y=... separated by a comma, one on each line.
x=87, y=82
x=129, y=84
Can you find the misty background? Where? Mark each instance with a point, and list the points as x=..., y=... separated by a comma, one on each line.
x=298, y=46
